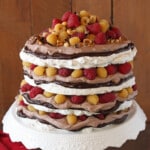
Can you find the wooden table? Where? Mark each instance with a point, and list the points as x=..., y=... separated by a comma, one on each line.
x=141, y=143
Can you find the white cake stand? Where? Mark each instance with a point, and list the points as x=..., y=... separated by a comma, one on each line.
x=36, y=135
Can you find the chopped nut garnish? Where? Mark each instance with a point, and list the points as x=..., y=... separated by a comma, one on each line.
x=87, y=42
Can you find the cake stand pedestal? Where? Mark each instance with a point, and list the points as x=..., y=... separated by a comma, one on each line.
x=36, y=135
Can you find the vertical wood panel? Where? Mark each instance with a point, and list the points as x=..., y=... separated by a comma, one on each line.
x=44, y=11
x=14, y=29
x=100, y=8
x=133, y=19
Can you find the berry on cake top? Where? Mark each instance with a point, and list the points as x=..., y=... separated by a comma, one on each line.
x=78, y=30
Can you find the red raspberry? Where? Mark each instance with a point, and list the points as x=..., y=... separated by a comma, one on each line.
x=134, y=87
x=21, y=103
x=107, y=97
x=80, y=35
x=124, y=68
x=73, y=21
x=100, y=38
x=100, y=116
x=90, y=73
x=32, y=66
x=111, y=69
x=26, y=87
x=64, y=72
x=111, y=34
x=35, y=91
x=55, y=21
x=82, y=117
x=77, y=99
x=94, y=28
x=66, y=16
x=56, y=115
x=117, y=32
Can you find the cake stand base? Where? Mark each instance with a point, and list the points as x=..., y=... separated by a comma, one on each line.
x=36, y=135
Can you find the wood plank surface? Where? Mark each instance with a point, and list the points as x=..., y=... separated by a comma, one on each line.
x=14, y=30
x=133, y=19
x=44, y=11
x=100, y=8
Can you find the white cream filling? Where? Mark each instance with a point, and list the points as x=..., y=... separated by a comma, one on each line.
x=81, y=62
x=124, y=105
x=58, y=89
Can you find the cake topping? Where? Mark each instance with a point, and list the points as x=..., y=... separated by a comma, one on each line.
x=26, y=87
x=73, y=21
x=56, y=115
x=93, y=99
x=107, y=97
x=64, y=72
x=79, y=30
x=71, y=119
x=82, y=117
x=111, y=69
x=123, y=93
x=124, y=68
x=34, y=91
x=60, y=99
x=90, y=73
x=77, y=99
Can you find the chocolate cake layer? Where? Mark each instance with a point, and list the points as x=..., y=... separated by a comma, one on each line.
x=50, y=103
x=116, y=121
x=65, y=56
x=80, y=85
x=91, y=121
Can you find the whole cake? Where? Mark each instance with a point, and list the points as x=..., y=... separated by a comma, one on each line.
x=78, y=75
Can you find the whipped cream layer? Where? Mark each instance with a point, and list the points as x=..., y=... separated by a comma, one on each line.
x=81, y=62
x=55, y=88
x=124, y=105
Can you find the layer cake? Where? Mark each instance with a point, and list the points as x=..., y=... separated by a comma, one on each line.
x=78, y=74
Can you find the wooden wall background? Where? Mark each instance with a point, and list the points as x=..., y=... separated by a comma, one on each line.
x=19, y=19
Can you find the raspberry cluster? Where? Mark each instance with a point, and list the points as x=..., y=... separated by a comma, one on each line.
x=80, y=29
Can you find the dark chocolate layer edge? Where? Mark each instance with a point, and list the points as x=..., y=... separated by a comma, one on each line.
x=65, y=56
